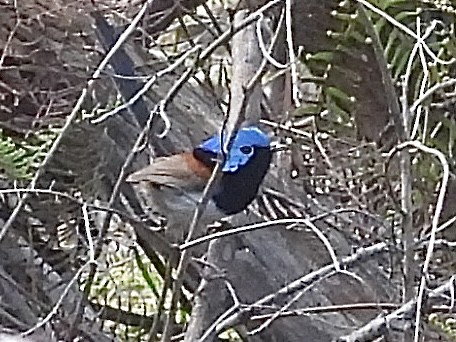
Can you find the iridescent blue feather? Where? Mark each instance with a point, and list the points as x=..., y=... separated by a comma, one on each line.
x=241, y=149
x=243, y=171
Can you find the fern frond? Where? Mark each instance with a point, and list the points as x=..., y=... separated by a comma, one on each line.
x=20, y=159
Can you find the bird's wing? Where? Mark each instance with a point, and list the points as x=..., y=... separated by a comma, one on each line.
x=180, y=170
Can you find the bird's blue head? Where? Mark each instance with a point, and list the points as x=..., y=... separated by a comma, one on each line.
x=244, y=169
x=247, y=140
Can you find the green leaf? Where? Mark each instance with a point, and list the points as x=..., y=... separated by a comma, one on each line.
x=145, y=273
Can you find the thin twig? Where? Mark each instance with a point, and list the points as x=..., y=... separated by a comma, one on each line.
x=267, y=51
x=284, y=308
x=376, y=327
x=435, y=221
x=300, y=283
x=185, y=257
x=263, y=225
x=406, y=30
x=408, y=265
x=161, y=304
x=291, y=54
x=73, y=115
x=229, y=128
x=447, y=83
x=55, y=308
x=152, y=80
x=98, y=248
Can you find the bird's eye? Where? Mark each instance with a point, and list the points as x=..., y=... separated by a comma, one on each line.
x=246, y=149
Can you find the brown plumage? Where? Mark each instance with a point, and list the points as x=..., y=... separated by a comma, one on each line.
x=175, y=184
x=181, y=171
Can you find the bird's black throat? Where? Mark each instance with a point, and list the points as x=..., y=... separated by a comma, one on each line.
x=236, y=190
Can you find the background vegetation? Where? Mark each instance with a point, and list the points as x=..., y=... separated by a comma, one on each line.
x=355, y=223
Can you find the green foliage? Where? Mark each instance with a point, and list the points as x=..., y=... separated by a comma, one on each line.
x=148, y=277
x=128, y=282
x=340, y=61
x=349, y=60
x=448, y=326
x=19, y=158
x=124, y=279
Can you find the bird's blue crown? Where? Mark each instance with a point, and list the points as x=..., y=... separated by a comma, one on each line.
x=242, y=148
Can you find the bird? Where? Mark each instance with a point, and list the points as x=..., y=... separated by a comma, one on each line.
x=176, y=182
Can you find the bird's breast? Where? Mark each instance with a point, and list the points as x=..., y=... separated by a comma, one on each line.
x=179, y=206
